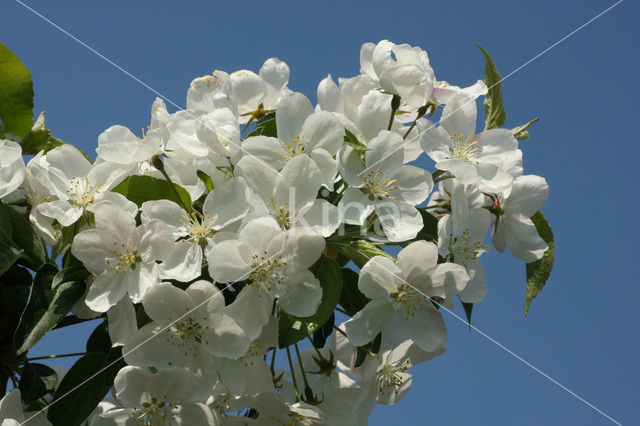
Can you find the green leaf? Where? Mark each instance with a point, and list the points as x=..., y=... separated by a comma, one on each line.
x=359, y=251
x=493, y=107
x=364, y=350
x=36, y=381
x=83, y=387
x=293, y=329
x=206, y=179
x=351, y=140
x=538, y=272
x=70, y=274
x=521, y=132
x=145, y=188
x=37, y=140
x=23, y=235
x=266, y=126
x=99, y=340
x=7, y=257
x=14, y=293
x=16, y=94
x=46, y=307
x=468, y=308
x=321, y=335
x=6, y=230
x=351, y=298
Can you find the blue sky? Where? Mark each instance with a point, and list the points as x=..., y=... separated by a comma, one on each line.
x=582, y=329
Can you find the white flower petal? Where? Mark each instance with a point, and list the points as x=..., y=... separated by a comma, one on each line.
x=122, y=322
x=418, y=260
x=329, y=95
x=400, y=220
x=230, y=261
x=366, y=324
x=374, y=113
x=293, y=110
x=380, y=277
x=355, y=206
x=323, y=130
x=302, y=295
x=385, y=152
x=322, y=218
x=459, y=116
x=426, y=328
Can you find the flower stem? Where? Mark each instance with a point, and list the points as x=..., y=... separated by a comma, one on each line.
x=410, y=129
x=340, y=331
x=342, y=311
x=395, y=104
x=56, y=356
x=316, y=349
x=293, y=375
x=273, y=362
x=304, y=373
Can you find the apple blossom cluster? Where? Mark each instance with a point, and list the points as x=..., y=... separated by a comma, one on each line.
x=239, y=251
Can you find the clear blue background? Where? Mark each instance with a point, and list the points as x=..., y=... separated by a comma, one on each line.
x=583, y=328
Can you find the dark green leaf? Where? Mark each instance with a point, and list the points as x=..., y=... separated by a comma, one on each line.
x=113, y=364
x=16, y=94
x=7, y=257
x=83, y=387
x=351, y=140
x=351, y=298
x=321, y=335
x=70, y=274
x=145, y=188
x=99, y=341
x=521, y=132
x=372, y=347
x=468, y=307
x=38, y=140
x=142, y=318
x=14, y=293
x=293, y=329
x=538, y=272
x=64, y=242
x=493, y=105
x=6, y=230
x=266, y=126
x=359, y=251
x=46, y=307
x=24, y=237
x=36, y=381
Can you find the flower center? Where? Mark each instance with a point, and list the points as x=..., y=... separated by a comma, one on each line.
x=463, y=249
x=197, y=226
x=153, y=413
x=221, y=403
x=266, y=272
x=297, y=146
x=187, y=334
x=390, y=376
x=407, y=300
x=127, y=257
x=281, y=212
x=379, y=185
x=81, y=192
x=189, y=329
x=464, y=149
